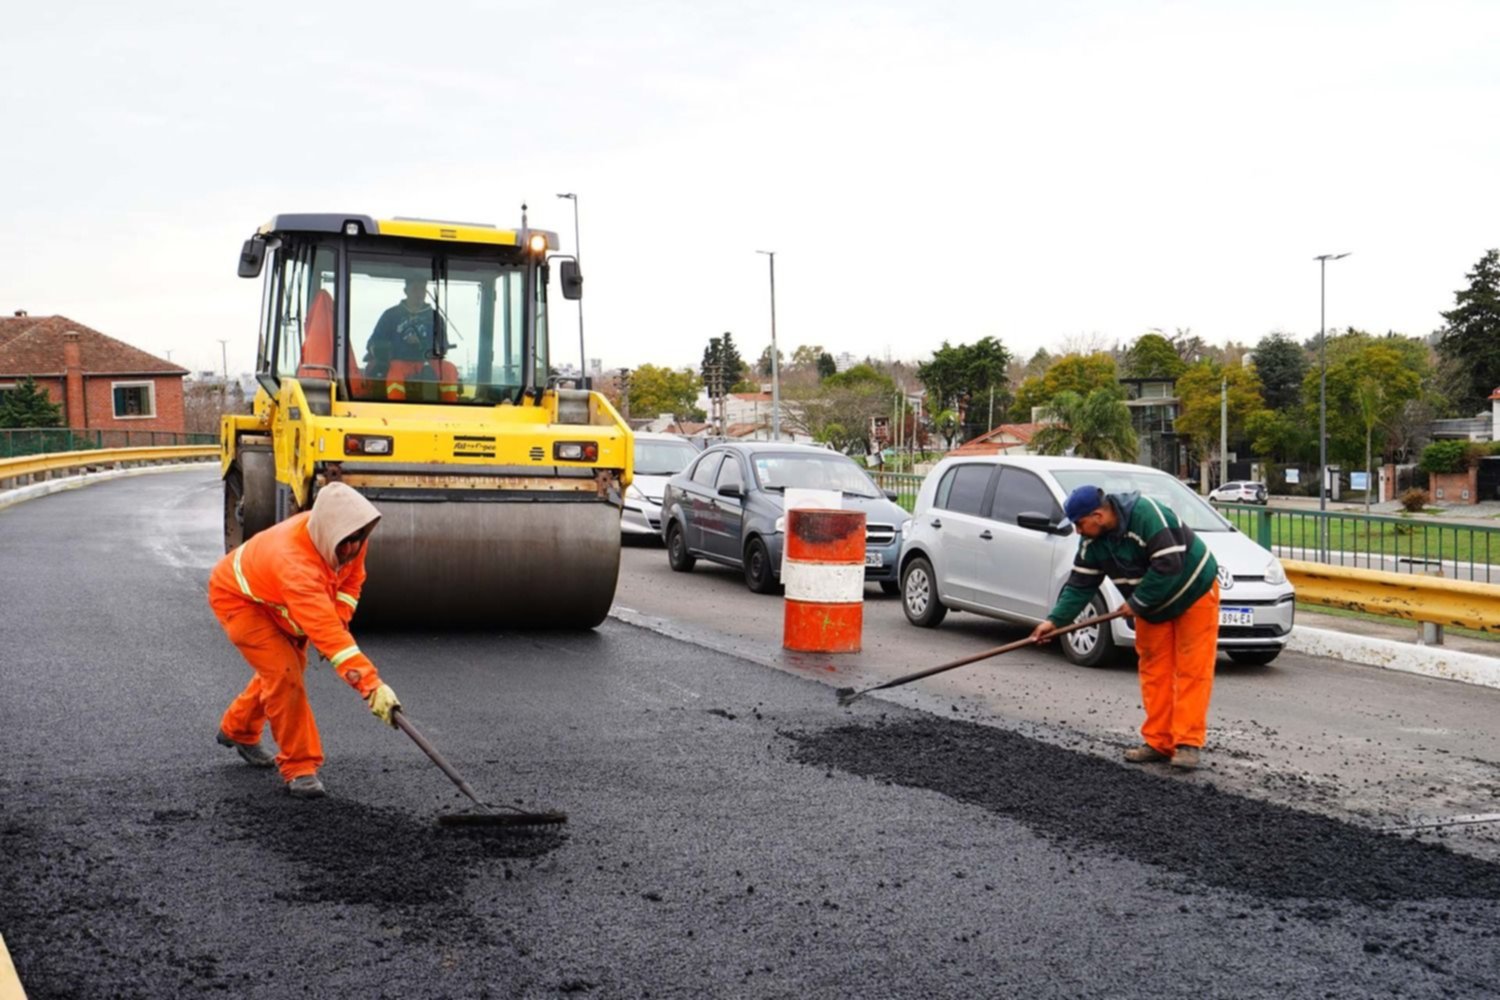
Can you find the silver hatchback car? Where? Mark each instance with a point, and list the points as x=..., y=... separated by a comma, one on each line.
x=987, y=535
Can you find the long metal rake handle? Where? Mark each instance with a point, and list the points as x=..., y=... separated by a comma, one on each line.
x=406, y=727
x=848, y=695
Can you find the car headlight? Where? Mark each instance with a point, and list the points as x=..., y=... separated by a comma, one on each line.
x=781, y=524
x=905, y=528
x=1275, y=575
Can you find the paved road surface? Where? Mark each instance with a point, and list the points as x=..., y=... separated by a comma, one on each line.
x=730, y=836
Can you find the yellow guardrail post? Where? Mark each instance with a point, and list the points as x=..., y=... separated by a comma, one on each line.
x=1419, y=599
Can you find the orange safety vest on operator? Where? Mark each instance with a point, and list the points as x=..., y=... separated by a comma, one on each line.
x=400, y=371
x=281, y=571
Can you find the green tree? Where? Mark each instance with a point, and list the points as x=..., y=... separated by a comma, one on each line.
x=840, y=410
x=1076, y=373
x=655, y=390
x=722, y=363
x=1357, y=408
x=763, y=365
x=1199, y=418
x=962, y=378
x=1153, y=356
x=947, y=424
x=29, y=406
x=1280, y=435
x=1093, y=426
x=1281, y=364
x=1472, y=335
x=826, y=365
x=807, y=356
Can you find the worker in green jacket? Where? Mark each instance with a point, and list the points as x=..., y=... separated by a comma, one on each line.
x=1170, y=583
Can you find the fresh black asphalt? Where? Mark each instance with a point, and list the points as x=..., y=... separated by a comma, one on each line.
x=732, y=833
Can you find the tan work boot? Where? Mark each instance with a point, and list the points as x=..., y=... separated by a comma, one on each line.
x=253, y=754
x=305, y=786
x=1145, y=754
x=1186, y=757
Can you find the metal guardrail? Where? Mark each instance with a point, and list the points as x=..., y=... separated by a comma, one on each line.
x=1434, y=600
x=49, y=440
x=23, y=471
x=1411, y=545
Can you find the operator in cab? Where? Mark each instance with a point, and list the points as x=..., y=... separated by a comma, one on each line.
x=405, y=350
x=1170, y=581
x=296, y=582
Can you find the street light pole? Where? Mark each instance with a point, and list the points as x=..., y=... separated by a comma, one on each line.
x=1223, y=429
x=1323, y=260
x=583, y=360
x=775, y=364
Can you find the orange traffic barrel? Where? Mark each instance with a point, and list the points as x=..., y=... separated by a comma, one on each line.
x=823, y=571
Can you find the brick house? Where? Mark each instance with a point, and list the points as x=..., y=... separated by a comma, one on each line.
x=102, y=383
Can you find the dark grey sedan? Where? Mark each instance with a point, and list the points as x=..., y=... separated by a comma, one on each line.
x=727, y=507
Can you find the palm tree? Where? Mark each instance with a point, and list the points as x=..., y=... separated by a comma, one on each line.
x=1092, y=426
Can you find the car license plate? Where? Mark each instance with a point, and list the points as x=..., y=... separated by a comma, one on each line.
x=874, y=559
x=1236, y=616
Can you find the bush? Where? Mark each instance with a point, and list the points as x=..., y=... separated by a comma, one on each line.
x=1444, y=456
x=1414, y=500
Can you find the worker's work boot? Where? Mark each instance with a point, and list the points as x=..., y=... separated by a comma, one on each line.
x=1145, y=754
x=1186, y=757
x=305, y=786
x=251, y=753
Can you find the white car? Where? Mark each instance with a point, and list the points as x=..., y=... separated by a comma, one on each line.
x=658, y=457
x=1241, y=491
x=987, y=535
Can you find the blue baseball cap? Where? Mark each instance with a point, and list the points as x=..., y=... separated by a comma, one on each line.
x=1082, y=502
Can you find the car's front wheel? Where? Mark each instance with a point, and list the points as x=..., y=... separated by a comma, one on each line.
x=758, y=574
x=1254, y=657
x=1093, y=646
x=678, y=556
x=919, y=596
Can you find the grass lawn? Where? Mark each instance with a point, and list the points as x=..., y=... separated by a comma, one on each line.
x=1413, y=539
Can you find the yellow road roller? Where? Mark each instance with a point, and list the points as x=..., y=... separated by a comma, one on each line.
x=409, y=359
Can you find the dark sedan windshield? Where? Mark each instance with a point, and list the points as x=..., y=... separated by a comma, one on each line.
x=811, y=472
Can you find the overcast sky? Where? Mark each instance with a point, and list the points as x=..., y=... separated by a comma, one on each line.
x=925, y=171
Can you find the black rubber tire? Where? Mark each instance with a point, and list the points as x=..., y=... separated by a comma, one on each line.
x=678, y=556
x=919, y=596
x=891, y=587
x=1254, y=657
x=1090, y=647
x=760, y=575
x=249, y=496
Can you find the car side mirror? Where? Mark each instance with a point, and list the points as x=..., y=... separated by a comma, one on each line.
x=891, y=495
x=732, y=490
x=1033, y=521
x=252, y=257
x=572, y=279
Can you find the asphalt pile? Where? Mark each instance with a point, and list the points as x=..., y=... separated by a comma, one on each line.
x=1147, y=814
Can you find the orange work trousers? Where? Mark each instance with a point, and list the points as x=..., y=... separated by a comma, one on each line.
x=276, y=694
x=1177, y=673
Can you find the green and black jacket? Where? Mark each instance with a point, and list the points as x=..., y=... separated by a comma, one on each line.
x=1160, y=566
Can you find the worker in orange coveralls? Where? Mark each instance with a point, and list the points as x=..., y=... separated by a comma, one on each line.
x=296, y=582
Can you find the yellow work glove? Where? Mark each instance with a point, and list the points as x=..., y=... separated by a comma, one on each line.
x=383, y=702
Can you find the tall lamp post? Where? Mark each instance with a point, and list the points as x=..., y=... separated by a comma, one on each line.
x=1323, y=260
x=583, y=360
x=775, y=364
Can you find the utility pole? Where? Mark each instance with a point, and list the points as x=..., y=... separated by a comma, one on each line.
x=1323, y=260
x=624, y=382
x=775, y=364
x=991, y=425
x=1223, y=429
x=224, y=359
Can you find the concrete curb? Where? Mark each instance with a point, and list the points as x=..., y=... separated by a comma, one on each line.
x=9, y=498
x=10, y=981
x=1408, y=657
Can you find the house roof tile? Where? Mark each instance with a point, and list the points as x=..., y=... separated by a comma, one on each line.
x=33, y=345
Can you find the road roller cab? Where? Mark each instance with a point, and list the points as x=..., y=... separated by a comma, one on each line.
x=410, y=360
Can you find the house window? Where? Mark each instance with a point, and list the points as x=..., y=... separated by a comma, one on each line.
x=134, y=400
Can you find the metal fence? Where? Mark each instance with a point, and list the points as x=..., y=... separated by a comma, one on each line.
x=904, y=484
x=1373, y=541
x=48, y=440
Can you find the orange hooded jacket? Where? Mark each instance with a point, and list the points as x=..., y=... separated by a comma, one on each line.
x=291, y=572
